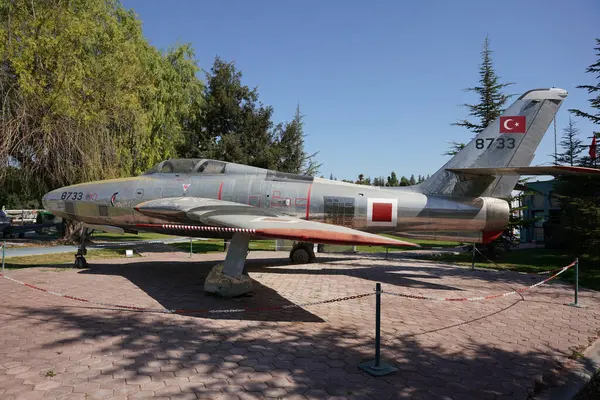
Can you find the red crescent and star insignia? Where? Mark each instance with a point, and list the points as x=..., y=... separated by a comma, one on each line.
x=516, y=124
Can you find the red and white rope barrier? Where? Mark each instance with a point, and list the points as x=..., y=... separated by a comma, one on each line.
x=282, y=307
x=186, y=311
x=478, y=298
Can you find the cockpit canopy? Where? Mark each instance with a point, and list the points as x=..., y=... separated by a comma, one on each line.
x=197, y=166
x=188, y=166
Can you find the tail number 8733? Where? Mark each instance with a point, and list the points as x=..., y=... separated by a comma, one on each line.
x=499, y=143
x=71, y=196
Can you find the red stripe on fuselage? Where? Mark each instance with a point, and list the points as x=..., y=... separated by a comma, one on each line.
x=220, y=191
x=308, y=201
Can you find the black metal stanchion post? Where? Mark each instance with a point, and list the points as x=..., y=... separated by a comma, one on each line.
x=377, y=326
x=473, y=258
x=576, y=302
x=376, y=367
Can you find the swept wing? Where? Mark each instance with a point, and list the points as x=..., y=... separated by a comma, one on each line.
x=201, y=214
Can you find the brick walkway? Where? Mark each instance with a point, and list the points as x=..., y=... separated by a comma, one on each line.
x=443, y=350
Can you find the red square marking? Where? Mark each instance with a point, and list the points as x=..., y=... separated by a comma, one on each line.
x=382, y=212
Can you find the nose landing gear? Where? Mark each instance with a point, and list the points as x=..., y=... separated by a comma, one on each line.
x=80, y=261
x=229, y=278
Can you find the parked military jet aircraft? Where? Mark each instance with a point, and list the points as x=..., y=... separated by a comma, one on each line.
x=463, y=201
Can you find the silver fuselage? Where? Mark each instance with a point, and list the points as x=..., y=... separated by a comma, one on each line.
x=399, y=210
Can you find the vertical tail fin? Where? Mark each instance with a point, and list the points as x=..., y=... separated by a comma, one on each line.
x=511, y=140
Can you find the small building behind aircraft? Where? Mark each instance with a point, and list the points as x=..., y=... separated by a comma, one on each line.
x=542, y=206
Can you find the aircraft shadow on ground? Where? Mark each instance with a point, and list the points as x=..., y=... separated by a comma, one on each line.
x=324, y=360
x=180, y=284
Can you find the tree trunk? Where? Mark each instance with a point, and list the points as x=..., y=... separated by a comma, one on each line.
x=73, y=231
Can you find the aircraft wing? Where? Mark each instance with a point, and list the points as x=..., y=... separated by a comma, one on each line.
x=535, y=170
x=200, y=214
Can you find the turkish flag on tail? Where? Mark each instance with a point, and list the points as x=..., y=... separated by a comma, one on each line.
x=517, y=124
x=593, y=148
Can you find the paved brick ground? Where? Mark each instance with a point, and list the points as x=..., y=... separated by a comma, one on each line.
x=443, y=350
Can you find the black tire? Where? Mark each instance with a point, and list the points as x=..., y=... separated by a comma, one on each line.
x=80, y=262
x=300, y=255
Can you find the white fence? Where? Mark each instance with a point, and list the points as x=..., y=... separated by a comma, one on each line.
x=22, y=217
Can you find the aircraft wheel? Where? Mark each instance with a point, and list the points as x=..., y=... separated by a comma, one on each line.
x=300, y=255
x=80, y=262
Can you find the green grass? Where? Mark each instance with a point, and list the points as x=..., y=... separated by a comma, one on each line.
x=117, y=237
x=424, y=243
x=60, y=258
x=212, y=246
x=534, y=261
x=216, y=245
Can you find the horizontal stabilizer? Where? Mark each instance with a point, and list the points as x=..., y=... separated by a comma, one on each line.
x=553, y=170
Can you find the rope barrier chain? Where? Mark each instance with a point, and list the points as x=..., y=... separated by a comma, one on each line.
x=287, y=306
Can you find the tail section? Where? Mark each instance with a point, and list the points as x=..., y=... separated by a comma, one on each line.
x=509, y=141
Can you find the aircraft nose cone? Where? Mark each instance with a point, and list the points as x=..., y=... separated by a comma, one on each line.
x=48, y=198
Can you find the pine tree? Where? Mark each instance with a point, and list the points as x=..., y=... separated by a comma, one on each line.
x=404, y=181
x=571, y=144
x=595, y=89
x=594, y=101
x=412, y=180
x=291, y=156
x=491, y=98
x=579, y=196
x=234, y=126
x=331, y=176
x=378, y=181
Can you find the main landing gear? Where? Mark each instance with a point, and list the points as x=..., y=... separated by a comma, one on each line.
x=229, y=278
x=80, y=261
x=302, y=253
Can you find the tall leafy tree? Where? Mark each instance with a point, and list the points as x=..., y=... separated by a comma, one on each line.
x=234, y=125
x=490, y=95
x=572, y=146
x=392, y=180
x=85, y=96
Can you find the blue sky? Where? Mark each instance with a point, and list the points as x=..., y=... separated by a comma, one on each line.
x=380, y=82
